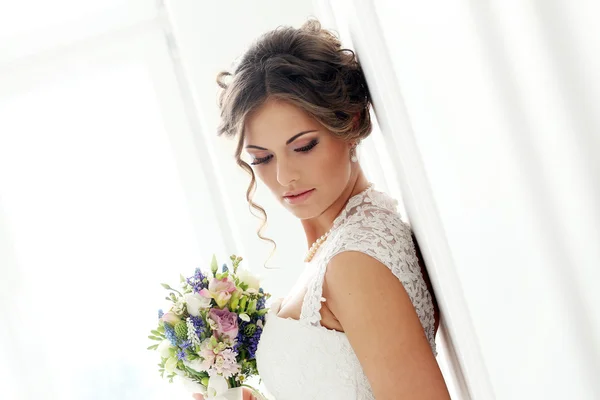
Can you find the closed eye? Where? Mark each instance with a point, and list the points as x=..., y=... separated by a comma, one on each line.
x=308, y=147
x=303, y=149
x=261, y=160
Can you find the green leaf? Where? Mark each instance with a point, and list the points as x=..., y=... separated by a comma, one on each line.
x=194, y=372
x=156, y=333
x=214, y=266
x=155, y=338
x=153, y=347
x=251, y=307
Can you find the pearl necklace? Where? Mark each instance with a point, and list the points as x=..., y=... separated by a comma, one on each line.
x=315, y=246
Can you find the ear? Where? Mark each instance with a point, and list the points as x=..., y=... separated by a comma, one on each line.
x=355, y=120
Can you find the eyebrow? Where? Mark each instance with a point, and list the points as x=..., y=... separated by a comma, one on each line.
x=290, y=140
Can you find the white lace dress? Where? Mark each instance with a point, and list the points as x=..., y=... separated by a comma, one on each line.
x=301, y=359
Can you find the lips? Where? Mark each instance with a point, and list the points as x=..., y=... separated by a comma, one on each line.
x=298, y=196
x=296, y=193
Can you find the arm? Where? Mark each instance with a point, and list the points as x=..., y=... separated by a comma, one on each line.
x=382, y=326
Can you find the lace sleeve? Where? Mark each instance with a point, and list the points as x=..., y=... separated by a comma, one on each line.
x=383, y=235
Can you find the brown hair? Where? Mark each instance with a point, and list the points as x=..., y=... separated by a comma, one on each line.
x=306, y=67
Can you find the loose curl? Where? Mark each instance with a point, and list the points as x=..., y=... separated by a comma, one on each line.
x=306, y=67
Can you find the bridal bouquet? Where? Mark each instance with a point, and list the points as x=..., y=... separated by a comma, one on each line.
x=209, y=335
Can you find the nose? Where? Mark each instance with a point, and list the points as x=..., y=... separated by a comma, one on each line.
x=287, y=172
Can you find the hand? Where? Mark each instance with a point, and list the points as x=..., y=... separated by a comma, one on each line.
x=246, y=396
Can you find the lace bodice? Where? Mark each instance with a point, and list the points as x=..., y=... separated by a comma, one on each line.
x=301, y=359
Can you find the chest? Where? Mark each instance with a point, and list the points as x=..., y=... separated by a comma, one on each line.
x=291, y=306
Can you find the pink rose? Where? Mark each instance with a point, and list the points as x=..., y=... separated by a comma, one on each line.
x=171, y=318
x=220, y=290
x=226, y=321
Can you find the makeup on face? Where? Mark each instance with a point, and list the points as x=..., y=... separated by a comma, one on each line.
x=299, y=197
x=302, y=149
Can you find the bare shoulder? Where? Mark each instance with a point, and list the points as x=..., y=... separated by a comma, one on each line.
x=357, y=277
x=360, y=287
x=382, y=325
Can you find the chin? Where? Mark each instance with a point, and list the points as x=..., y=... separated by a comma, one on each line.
x=302, y=212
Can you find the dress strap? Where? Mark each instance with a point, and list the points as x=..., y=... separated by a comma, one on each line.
x=313, y=298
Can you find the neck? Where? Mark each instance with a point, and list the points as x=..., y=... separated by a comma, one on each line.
x=314, y=228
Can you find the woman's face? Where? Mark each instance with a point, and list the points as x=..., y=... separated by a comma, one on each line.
x=302, y=163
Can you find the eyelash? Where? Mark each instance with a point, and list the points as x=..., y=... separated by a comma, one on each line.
x=303, y=149
x=261, y=160
x=308, y=147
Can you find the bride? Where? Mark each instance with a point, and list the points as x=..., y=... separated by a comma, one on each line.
x=360, y=322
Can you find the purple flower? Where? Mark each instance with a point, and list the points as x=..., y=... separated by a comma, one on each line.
x=226, y=364
x=260, y=304
x=253, y=343
x=186, y=345
x=199, y=325
x=198, y=281
x=170, y=333
x=249, y=343
x=227, y=322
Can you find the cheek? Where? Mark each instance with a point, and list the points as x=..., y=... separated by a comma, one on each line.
x=332, y=165
x=265, y=173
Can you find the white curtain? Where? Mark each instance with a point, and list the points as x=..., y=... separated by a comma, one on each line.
x=488, y=110
x=93, y=215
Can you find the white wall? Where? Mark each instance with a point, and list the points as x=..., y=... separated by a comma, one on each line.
x=488, y=109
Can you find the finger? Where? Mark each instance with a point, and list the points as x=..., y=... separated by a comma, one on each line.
x=198, y=396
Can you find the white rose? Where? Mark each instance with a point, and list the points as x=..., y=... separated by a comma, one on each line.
x=178, y=308
x=171, y=364
x=195, y=302
x=164, y=349
x=249, y=279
